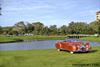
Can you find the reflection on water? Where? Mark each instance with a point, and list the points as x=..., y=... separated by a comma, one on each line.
x=28, y=45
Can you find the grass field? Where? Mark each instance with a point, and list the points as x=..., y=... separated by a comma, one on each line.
x=4, y=39
x=8, y=39
x=49, y=58
x=18, y=38
x=94, y=39
x=41, y=37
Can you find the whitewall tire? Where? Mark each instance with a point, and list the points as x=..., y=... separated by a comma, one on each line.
x=58, y=49
x=71, y=52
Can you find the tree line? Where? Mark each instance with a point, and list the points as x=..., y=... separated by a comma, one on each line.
x=38, y=28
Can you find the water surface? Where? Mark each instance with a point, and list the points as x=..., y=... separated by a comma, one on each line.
x=29, y=45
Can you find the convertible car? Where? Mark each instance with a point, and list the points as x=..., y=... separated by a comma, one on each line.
x=73, y=46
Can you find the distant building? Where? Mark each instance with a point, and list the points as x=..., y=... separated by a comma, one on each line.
x=98, y=15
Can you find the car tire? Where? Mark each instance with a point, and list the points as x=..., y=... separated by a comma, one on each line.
x=58, y=49
x=71, y=52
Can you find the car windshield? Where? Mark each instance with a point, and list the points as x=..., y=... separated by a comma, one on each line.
x=72, y=40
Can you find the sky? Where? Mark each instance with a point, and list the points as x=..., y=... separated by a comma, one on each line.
x=49, y=12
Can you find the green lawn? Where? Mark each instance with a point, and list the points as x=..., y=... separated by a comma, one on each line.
x=49, y=58
x=94, y=39
x=4, y=39
x=17, y=38
x=41, y=37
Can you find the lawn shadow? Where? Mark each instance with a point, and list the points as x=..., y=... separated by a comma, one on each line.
x=92, y=51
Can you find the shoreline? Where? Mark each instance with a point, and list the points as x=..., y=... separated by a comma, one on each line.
x=5, y=39
x=12, y=41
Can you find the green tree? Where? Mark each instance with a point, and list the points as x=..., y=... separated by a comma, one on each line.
x=30, y=28
x=53, y=30
x=45, y=31
x=99, y=30
x=95, y=25
x=20, y=28
x=78, y=27
x=1, y=30
x=38, y=28
x=6, y=30
x=63, y=30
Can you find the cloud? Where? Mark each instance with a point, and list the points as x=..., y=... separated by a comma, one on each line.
x=9, y=8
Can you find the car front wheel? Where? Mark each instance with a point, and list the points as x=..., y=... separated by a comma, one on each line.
x=71, y=52
x=58, y=50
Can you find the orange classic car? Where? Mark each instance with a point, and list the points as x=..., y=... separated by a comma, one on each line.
x=73, y=46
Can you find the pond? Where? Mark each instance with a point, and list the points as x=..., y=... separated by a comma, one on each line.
x=29, y=45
